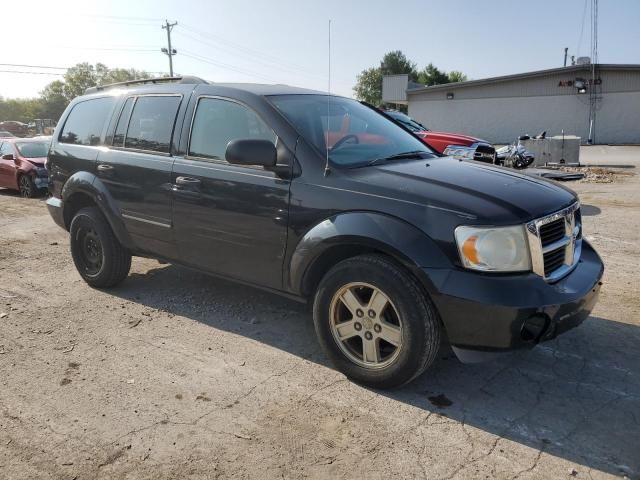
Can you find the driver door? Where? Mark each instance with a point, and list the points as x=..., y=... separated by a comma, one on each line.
x=229, y=219
x=7, y=167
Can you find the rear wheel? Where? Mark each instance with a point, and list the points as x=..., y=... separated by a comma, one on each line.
x=98, y=255
x=375, y=322
x=26, y=186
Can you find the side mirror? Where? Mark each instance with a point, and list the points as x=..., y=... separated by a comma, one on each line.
x=251, y=152
x=8, y=156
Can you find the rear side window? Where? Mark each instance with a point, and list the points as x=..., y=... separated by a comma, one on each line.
x=218, y=122
x=86, y=121
x=123, y=123
x=151, y=123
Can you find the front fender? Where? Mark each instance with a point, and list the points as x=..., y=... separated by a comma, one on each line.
x=369, y=230
x=88, y=184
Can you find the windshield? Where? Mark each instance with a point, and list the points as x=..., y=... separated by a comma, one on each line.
x=33, y=149
x=354, y=133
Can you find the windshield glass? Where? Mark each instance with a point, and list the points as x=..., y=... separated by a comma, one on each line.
x=354, y=133
x=33, y=149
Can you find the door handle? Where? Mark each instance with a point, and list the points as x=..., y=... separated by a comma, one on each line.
x=187, y=181
x=104, y=168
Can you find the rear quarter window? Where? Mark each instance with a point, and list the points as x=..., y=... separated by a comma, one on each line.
x=86, y=121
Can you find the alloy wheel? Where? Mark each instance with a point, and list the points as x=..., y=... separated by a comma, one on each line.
x=366, y=325
x=25, y=186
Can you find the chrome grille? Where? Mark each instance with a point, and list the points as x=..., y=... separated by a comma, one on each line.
x=555, y=242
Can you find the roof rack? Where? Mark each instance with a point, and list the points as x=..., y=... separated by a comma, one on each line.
x=184, y=79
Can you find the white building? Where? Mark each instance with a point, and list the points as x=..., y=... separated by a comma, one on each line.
x=597, y=102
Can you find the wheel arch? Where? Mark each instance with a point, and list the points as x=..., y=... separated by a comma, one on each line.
x=351, y=234
x=83, y=189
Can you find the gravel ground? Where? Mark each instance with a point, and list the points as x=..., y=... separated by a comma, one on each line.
x=177, y=375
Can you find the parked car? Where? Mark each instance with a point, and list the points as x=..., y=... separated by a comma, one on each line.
x=22, y=165
x=322, y=199
x=17, y=129
x=6, y=134
x=455, y=144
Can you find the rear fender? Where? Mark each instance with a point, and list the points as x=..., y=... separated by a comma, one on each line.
x=85, y=183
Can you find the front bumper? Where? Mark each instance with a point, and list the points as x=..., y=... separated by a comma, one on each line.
x=54, y=205
x=493, y=313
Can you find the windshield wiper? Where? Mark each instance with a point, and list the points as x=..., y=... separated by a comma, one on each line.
x=397, y=156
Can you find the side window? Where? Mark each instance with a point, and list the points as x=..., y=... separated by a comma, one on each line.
x=151, y=123
x=217, y=122
x=123, y=123
x=85, y=122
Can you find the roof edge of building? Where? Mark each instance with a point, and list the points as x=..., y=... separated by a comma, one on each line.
x=518, y=76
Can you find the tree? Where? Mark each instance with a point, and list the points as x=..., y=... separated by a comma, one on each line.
x=394, y=63
x=456, y=76
x=53, y=100
x=432, y=75
x=369, y=86
x=369, y=82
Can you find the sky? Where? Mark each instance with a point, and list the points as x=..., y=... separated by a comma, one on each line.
x=286, y=41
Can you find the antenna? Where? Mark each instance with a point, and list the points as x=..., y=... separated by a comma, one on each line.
x=326, y=165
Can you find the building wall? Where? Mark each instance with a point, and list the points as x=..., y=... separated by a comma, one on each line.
x=502, y=120
x=499, y=112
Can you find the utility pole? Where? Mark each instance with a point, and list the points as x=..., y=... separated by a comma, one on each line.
x=566, y=50
x=170, y=52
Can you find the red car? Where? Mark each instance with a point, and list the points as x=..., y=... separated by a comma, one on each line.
x=454, y=144
x=22, y=165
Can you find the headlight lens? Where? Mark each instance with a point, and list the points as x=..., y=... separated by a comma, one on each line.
x=460, y=152
x=499, y=249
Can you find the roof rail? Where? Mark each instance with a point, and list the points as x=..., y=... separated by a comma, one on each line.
x=185, y=79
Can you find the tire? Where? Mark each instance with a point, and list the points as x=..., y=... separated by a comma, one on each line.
x=416, y=325
x=26, y=187
x=98, y=255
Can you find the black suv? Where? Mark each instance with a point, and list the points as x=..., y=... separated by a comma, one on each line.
x=325, y=199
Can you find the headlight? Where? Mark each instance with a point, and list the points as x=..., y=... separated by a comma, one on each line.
x=498, y=249
x=460, y=152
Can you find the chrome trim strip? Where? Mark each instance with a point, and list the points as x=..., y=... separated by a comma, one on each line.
x=556, y=245
x=144, y=220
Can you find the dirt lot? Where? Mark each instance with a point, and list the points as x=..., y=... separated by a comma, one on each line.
x=176, y=375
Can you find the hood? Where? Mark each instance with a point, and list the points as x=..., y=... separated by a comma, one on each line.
x=451, y=138
x=37, y=161
x=488, y=194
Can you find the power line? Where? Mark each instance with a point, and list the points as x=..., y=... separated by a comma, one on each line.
x=31, y=73
x=252, y=57
x=226, y=66
x=248, y=50
x=31, y=66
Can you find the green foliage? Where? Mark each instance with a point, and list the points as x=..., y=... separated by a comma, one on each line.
x=369, y=86
x=369, y=82
x=55, y=97
x=457, y=76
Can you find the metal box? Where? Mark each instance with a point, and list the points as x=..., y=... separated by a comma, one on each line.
x=557, y=150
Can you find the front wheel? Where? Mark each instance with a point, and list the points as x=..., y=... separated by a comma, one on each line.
x=375, y=322
x=98, y=255
x=26, y=186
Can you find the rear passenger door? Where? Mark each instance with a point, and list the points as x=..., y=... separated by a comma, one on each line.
x=136, y=169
